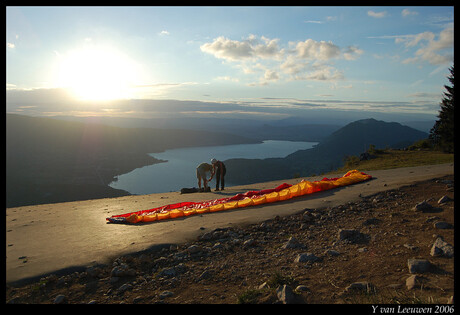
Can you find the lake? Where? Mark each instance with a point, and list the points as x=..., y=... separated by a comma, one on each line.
x=180, y=170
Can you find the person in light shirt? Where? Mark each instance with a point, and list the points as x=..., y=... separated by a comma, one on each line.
x=201, y=172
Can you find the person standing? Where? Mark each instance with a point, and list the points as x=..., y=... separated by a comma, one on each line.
x=201, y=171
x=220, y=170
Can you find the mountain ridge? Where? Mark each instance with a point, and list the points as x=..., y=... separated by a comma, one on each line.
x=327, y=155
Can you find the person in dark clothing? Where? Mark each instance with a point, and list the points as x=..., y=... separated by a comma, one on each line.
x=220, y=170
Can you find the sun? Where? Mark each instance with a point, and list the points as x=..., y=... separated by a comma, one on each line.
x=97, y=74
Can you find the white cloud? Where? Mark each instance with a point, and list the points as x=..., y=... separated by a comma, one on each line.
x=377, y=14
x=164, y=33
x=311, y=49
x=271, y=75
x=263, y=57
x=251, y=47
x=325, y=74
x=435, y=51
x=352, y=52
x=10, y=45
x=407, y=12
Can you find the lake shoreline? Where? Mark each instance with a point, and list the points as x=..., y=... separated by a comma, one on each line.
x=179, y=172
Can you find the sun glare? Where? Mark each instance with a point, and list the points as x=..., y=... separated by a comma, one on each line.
x=97, y=74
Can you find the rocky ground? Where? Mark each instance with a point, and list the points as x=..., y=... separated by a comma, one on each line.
x=392, y=247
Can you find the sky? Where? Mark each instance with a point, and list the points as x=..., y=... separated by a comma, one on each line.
x=227, y=61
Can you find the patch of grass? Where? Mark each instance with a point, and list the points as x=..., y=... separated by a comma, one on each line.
x=278, y=279
x=389, y=158
x=249, y=296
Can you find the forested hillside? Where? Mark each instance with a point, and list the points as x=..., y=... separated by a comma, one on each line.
x=354, y=138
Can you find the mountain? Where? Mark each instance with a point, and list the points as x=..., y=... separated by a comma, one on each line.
x=50, y=160
x=294, y=129
x=352, y=139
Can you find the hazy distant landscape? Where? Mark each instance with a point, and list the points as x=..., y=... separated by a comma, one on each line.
x=57, y=160
x=50, y=160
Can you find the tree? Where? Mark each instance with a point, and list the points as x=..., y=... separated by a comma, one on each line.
x=442, y=133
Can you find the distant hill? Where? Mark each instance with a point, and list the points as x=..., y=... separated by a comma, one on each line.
x=329, y=154
x=50, y=160
x=284, y=129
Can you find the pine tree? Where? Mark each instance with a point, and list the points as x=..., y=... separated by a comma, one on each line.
x=442, y=133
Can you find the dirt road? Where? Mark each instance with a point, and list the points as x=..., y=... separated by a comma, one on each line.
x=66, y=236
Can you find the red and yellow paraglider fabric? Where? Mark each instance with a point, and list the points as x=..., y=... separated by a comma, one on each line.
x=250, y=198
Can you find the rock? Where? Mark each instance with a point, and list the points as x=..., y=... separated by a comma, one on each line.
x=301, y=288
x=351, y=236
x=286, y=295
x=122, y=271
x=422, y=206
x=306, y=258
x=418, y=265
x=443, y=225
x=249, y=243
x=60, y=299
x=293, y=243
x=444, y=199
x=93, y=271
x=167, y=272
x=306, y=216
x=125, y=287
x=413, y=281
x=165, y=294
x=194, y=249
x=441, y=248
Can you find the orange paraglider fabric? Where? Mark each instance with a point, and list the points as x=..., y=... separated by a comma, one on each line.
x=282, y=192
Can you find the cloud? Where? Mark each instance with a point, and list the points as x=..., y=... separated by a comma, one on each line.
x=311, y=49
x=164, y=33
x=263, y=57
x=10, y=45
x=352, y=53
x=407, y=12
x=377, y=14
x=235, y=50
x=271, y=75
x=436, y=51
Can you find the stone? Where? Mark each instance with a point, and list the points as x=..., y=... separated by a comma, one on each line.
x=422, y=206
x=60, y=299
x=308, y=257
x=194, y=249
x=165, y=294
x=286, y=295
x=444, y=199
x=413, y=281
x=351, y=236
x=301, y=288
x=441, y=248
x=443, y=225
x=418, y=265
x=293, y=243
x=125, y=287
